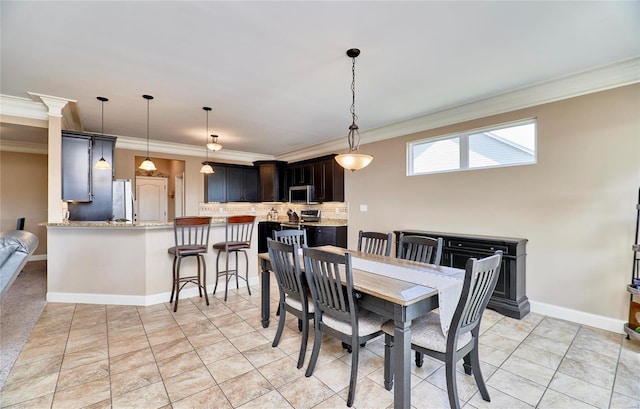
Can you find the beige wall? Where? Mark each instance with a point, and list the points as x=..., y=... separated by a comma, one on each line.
x=23, y=193
x=576, y=206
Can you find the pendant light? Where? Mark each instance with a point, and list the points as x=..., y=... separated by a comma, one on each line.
x=353, y=160
x=206, y=168
x=102, y=164
x=214, y=145
x=147, y=164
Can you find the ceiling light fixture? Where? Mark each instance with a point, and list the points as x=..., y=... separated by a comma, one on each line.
x=353, y=160
x=102, y=163
x=206, y=167
x=214, y=145
x=147, y=164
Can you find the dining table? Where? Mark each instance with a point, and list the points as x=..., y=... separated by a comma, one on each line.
x=394, y=297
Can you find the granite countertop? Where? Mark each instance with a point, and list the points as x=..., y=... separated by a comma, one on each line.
x=215, y=222
x=322, y=222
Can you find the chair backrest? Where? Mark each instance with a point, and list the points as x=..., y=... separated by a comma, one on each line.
x=192, y=231
x=286, y=267
x=239, y=229
x=375, y=243
x=480, y=280
x=420, y=248
x=291, y=236
x=325, y=272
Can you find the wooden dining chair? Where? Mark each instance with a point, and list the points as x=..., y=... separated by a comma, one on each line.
x=238, y=233
x=293, y=288
x=461, y=341
x=291, y=236
x=191, y=239
x=375, y=243
x=420, y=248
x=336, y=313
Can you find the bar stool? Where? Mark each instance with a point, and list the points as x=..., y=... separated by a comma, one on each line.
x=238, y=232
x=191, y=239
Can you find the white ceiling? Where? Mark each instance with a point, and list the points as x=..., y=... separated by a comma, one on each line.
x=276, y=73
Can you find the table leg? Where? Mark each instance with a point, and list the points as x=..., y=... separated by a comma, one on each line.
x=402, y=361
x=265, y=291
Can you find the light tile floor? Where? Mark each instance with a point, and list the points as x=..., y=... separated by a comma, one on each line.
x=219, y=356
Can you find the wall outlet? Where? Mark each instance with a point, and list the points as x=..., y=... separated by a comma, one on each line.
x=363, y=208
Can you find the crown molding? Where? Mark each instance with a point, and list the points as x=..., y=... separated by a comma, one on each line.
x=23, y=108
x=623, y=73
x=125, y=142
x=23, y=147
x=55, y=104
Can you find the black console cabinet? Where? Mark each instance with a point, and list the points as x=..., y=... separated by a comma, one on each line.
x=509, y=298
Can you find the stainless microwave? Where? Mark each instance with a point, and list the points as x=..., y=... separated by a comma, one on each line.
x=300, y=194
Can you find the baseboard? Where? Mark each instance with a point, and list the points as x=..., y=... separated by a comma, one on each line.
x=580, y=317
x=137, y=300
x=37, y=257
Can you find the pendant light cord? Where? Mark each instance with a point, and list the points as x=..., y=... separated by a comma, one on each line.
x=148, y=128
x=354, y=143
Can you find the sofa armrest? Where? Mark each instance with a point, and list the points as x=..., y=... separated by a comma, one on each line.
x=15, y=248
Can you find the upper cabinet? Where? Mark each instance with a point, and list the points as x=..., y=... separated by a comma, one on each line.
x=231, y=183
x=89, y=189
x=273, y=184
x=324, y=173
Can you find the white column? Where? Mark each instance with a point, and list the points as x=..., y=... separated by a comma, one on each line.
x=54, y=196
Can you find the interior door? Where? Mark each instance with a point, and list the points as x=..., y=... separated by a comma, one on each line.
x=151, y=195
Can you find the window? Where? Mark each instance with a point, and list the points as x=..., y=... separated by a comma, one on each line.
x=502, y=145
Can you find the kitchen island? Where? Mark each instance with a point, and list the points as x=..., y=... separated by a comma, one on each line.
x=123, y=263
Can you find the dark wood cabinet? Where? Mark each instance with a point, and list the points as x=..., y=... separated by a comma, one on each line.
x=231, y=183
x=88, y=190
x=273, y=186
x=323, y=173
x=509, y=297
x=76, y=168
x=327, y=235
x=265, y=230
x=328, y=181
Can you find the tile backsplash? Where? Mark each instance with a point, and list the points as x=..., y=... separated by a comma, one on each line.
x=329, y=210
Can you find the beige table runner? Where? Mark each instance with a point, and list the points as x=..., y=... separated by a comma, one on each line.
x=448, y=284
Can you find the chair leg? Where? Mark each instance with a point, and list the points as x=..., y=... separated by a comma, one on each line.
x=452, y=387
x=175, y=305
x=354, y=371
x=477, y=373
x=237, y=283
x=276, y=339
x=173, y=288
x=466, y=364
x=204, y=278
x=317, y=340
x=303, y=343
x=388, y=362
x=226, y=275
x=246, y=274
x=217, y=272
x=198, y=260
x=419, y=359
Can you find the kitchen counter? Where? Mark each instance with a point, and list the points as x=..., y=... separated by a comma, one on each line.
x=123, y=263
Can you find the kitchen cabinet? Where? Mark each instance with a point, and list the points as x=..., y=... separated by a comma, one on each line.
x=323, y=173
x=265, y=230
x=326, y=235
x=273, y=186
x=328, y=180
x=88, y=190
x=509, y=297
x=231, y=183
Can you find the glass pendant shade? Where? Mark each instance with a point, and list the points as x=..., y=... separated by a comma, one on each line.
x=353, y=161
x=206, y=168
x=102, y=164
x=147, y=164
x=214, y=145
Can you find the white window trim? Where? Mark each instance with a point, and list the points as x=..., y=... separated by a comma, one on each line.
x=464, y=147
